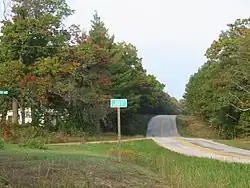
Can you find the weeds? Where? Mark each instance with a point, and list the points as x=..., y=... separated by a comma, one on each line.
x=190, y=126
x=126, y=154
x=26, y=132
x=34, y=143
x=1, y=144
x=94, y=172
x=144, y=164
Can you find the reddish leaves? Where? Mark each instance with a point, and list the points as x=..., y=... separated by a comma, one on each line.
x=105, y=98
x=7, y=131
x=105, y=81
x=28, y=79
x=96, y=47
x=76, y=64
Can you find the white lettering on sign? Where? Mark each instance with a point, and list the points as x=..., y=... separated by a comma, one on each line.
x=118, y=103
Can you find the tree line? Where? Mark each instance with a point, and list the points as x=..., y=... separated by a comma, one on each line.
x=71, y=74
x=219, y=92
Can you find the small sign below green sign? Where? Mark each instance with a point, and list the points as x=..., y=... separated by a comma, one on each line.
x=118, y=103
x=3, y=92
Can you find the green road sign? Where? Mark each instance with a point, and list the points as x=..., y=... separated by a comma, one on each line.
x=3, y=92
x=118, y=103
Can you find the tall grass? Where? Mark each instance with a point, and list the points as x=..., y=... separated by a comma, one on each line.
x=183, y=171
x=144, y=164
x=175, y=170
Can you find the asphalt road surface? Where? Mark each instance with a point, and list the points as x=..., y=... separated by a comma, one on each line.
x=162, y=129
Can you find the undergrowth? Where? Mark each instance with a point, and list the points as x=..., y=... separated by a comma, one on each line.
x=34, y=143
x=1, y=144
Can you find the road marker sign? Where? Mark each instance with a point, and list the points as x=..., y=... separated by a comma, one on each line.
x=119, y=103
x=3, y=92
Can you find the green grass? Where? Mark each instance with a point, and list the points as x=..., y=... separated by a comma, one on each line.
x=144, y=164
x=26, y=133
x=244, y=144
x=182, y=127
x=64, y=166
x=110, y=136
x=189, y=126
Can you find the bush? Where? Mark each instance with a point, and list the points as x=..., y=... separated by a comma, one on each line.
x=191, y=126
x=28, y=132
x=1, y=144
x=34, y=143
x=6, y=131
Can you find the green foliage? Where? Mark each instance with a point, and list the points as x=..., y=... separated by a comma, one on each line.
x=1, y=144
x=24, y=133
x=192, y=127
x=35, y=30
x=34, y=143
x=68, y=76
x=219, y=91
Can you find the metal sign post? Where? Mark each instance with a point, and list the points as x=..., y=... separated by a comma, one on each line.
x=119, y=103
x=119, y=132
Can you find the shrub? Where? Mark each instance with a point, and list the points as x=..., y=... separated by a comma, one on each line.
x=1, y=144
x=28, y=132
x=34, y=143
x=6, y=131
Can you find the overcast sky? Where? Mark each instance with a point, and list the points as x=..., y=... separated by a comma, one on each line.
x=170, y=35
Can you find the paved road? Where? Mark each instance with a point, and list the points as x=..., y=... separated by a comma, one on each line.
x=162, y=129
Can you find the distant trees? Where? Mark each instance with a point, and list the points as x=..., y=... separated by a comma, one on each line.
x=47, y=66
x=220, y=91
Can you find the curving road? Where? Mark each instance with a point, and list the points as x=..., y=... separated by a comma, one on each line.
x=162, y=129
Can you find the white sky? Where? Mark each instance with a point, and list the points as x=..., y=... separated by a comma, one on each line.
x=171, y=35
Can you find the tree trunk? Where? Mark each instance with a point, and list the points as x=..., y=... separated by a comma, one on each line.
x=3, y=120
x=98, y=129
x=4, y=116
x=15, y=111
x=4, y=112
x=22, y=107
x=34, y=118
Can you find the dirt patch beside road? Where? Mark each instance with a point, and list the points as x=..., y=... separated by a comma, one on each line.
x=98, y=142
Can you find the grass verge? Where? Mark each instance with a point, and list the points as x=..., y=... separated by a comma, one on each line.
x=144, y=164
x=75, y=166
x=62, y=138
x=190, y=126
x=240, y=143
